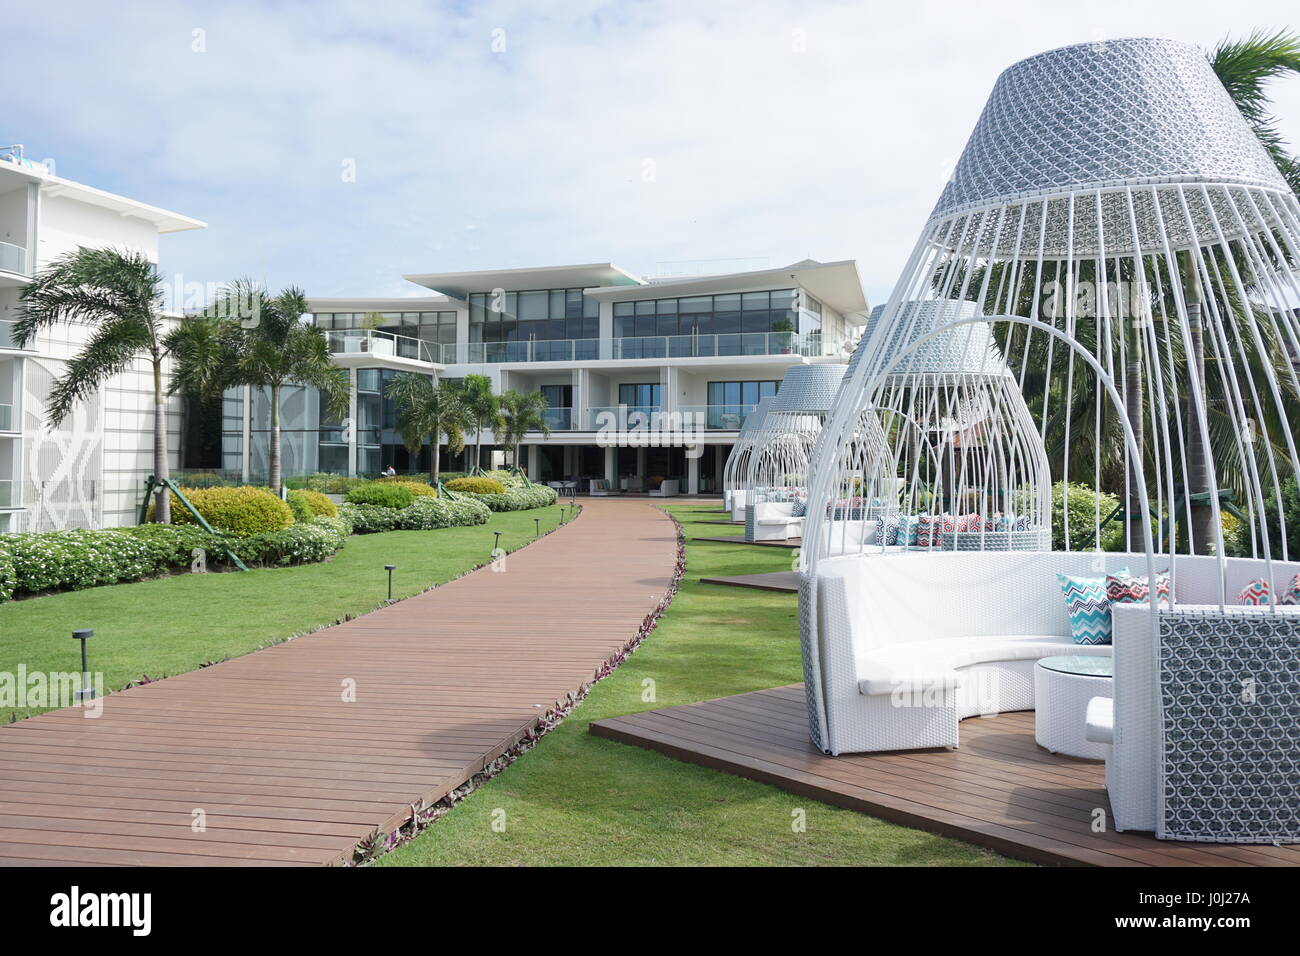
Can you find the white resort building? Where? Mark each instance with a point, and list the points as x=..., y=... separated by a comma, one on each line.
x=90, y=470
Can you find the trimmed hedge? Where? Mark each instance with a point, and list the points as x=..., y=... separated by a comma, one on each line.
x=421, y=489
x=325, y=482
x=519, y=498
x=241, y=511
x=72, y=560
x=381, y=495
x=476, y=486
x=425, y=514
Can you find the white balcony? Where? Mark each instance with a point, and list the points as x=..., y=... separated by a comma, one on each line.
x=367, y=348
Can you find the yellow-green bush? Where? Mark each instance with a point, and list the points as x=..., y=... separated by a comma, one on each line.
x=241, y=511
x=317, y=503
x=421, y=489
x=477, y=486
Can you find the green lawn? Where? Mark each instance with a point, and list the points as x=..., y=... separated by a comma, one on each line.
x=576, y=799
x=172, y=625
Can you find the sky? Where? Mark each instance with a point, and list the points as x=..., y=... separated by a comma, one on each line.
x=337, y=145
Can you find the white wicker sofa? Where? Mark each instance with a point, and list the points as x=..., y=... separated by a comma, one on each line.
x=913, y=642
x=772, y=521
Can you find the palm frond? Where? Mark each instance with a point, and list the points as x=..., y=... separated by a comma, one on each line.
x=110, y=350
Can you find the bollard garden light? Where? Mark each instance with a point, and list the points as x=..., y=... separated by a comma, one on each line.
x=537, y=524
x=496, y=545
x=390, y=568
x=86, y=692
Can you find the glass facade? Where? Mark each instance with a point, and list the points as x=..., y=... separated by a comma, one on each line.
x=542, y=315
x=640, y=395
x=436, y=328
x=708, y=314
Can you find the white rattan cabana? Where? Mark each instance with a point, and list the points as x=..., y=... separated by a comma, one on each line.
x=776, y=472
x=733, y=472
x=1131, y=250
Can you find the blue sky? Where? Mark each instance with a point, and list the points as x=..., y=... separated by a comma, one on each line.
x=500, y=134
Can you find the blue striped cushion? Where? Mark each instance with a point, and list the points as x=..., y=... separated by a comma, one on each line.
x=1089, y=608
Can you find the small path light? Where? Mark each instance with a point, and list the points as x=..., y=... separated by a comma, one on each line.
x=537, y=523
x=496, y=545
x=87, y=692
x=390, y=568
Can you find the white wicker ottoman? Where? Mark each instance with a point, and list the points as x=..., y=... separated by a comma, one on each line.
x=1062, y=688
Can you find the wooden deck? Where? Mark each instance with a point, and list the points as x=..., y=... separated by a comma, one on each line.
x=999, y=790
x=284, y=769
x=740, y=539
x=786, y=582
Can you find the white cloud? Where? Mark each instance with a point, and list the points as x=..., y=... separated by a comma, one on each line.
x=469, y=158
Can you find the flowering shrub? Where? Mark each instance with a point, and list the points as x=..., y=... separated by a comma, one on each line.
x=477, y=486
x=324, y=482
x=241, y=511
x=519, y=498
x=425, y=514
x=72, y=560
x=383, y=495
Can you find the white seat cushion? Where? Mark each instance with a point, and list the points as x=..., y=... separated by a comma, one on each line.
x=1100, y=719
x=918, y=666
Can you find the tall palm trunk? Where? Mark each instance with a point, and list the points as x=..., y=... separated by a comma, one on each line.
x=1133, y=399
x=434, y=465
x=163, y=505
x=1198, y=472
x=274, y=477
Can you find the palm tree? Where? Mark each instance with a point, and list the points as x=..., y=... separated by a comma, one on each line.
x=119, y=293
x=484, y=409
x=271, y=348
x=521, y=413
x=1245, y=68
x=429, y=409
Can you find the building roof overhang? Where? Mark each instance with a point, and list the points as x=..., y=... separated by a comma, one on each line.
x=461, y=284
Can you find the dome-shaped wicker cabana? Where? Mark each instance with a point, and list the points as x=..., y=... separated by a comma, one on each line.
x=733, y=472
x=777, y=469
x=1130, y=251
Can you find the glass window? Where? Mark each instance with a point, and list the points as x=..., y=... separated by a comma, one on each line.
x=726, y=303
x=624, y=308
x=646, y=307
x=666, y=306
x=590, y=308
x=533, y=305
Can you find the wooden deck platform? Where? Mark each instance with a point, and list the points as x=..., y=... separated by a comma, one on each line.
x=740, y=539
x=787, y=582
x=283, y=768
x=999, y=790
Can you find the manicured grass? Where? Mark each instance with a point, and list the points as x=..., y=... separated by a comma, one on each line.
x=579, y=800
x=172, y=625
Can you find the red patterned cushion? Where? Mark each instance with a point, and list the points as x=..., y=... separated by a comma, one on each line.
x=1129, y=589
x=1292, y=594
x=929, y=530
x=1255, y=594
x=970, y=522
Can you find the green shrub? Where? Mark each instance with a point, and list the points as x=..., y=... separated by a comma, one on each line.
x=476, y=486
x=298, y=506
x=520, y=498
x=325, y=483
x=424, y=514
x=1083, y=504
x=420, y=489
x=381, y=495
x=314, y=540
x=319, y=505
x=241, y=511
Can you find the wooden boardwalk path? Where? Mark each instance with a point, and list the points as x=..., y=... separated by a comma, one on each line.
x=999, y=790
x=284, y=770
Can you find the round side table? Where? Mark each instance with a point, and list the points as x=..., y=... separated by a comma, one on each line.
x=1062, y=688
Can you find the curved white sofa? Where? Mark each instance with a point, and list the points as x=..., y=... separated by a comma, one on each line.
x=772, y=521
x=913, y=642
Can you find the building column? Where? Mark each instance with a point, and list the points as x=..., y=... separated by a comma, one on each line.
x=640, y=465
x=352, y=418
x=246, y=466
x=693, y=471
x=534, y=462
x=611, y=465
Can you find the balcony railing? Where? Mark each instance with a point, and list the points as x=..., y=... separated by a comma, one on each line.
x=13, y=258
x=713, y=346
x=380, y=344
x=716, y=417
x=558, y=419
x=545, y=350
x=623, y=417
x=6, y=418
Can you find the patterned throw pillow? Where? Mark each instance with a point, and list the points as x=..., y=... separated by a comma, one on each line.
x=1089, y=608
x=1126, y=588
x=970, y=522
x=1292, y=594
x=929, y=531
x=906, y=535
x=798, y=508
x=1255, y=594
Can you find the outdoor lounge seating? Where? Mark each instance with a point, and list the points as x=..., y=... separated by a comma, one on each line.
x=772, y=521
x=600, y=487
x=668, y=488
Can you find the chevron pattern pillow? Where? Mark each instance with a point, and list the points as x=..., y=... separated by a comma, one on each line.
x=1292, y=594
x=1125, y=588
x=1255, y=594
x=1089, y=608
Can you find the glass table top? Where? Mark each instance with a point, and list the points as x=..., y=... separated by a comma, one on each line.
x=1079, y=665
